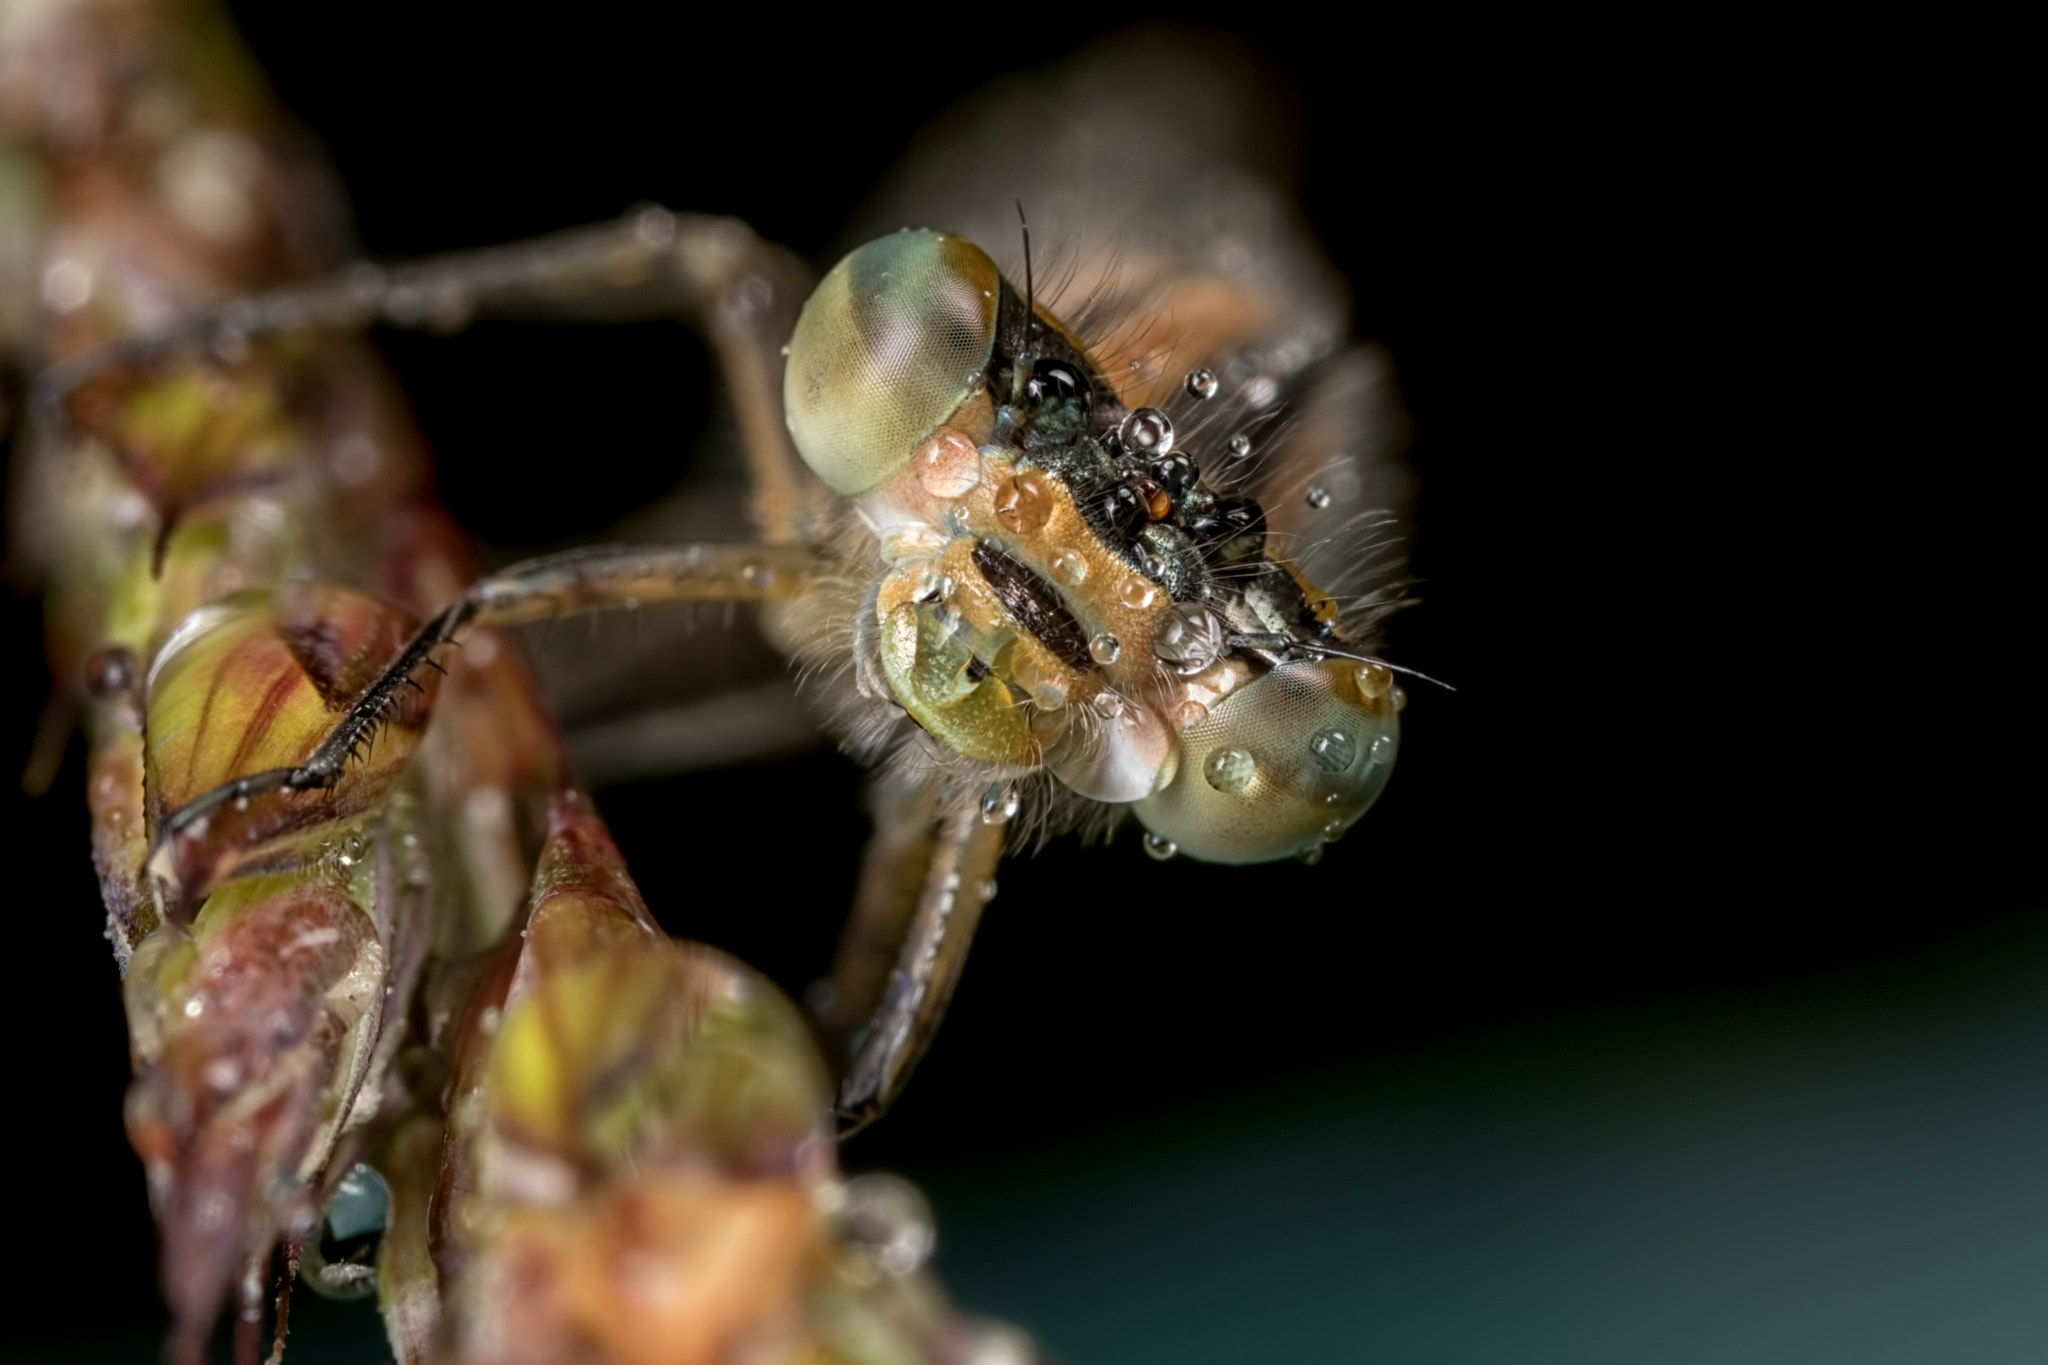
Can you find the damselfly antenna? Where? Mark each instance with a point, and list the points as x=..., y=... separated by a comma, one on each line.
x=1287, y=644
x=1021, y=375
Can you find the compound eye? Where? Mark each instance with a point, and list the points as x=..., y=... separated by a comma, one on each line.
x=889, y=345
x=1281, y=766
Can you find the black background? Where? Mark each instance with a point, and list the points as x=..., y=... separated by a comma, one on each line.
x=1727, y=717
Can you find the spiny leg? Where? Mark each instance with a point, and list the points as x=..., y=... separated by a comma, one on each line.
x=601, y=578
x=940, y=845
x=713, y=272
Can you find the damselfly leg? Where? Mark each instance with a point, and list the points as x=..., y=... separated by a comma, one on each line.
x=930, y=868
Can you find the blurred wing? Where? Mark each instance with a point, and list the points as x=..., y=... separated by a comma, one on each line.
x=1156, y=171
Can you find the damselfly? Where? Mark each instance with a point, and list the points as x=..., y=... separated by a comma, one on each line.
x=1104, y=532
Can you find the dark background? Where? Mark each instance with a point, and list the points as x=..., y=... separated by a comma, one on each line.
x=1730, y=726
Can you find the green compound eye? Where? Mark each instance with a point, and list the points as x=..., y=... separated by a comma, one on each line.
x=1279, y=767
x=888, y=346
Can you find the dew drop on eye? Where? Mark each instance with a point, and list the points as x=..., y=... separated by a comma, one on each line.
x=1230, y=770
x=1334, y=750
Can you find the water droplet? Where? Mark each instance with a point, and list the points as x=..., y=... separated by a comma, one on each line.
x=750, y=297
x=1150, y=564
x=67, y=286
x=1158, y=848
x=1400, y=699
x=1262, y=392
x=1333, y=831
x=655, y=226
x=1334, y=750
x=1069, y=568
x=241, y=804
x=987, y=889
x=948, y=464
x=1201, y=384
x=1136, y=593
x=1230, y=770
x=111, y=670
x=1189, y=713
x=1108, y=705
x=884, y=1218
x=339, y=1262
x=1024, y=504
x=1105, y=648
x=998, y=803
x=1373, y=681
x=1383, y=749
x=1240, y=446
x=1147, y=432
x=1318, y=497
x=1189, y=637
x=1310, y=856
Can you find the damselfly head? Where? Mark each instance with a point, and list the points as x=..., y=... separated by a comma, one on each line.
x=1062, y=587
